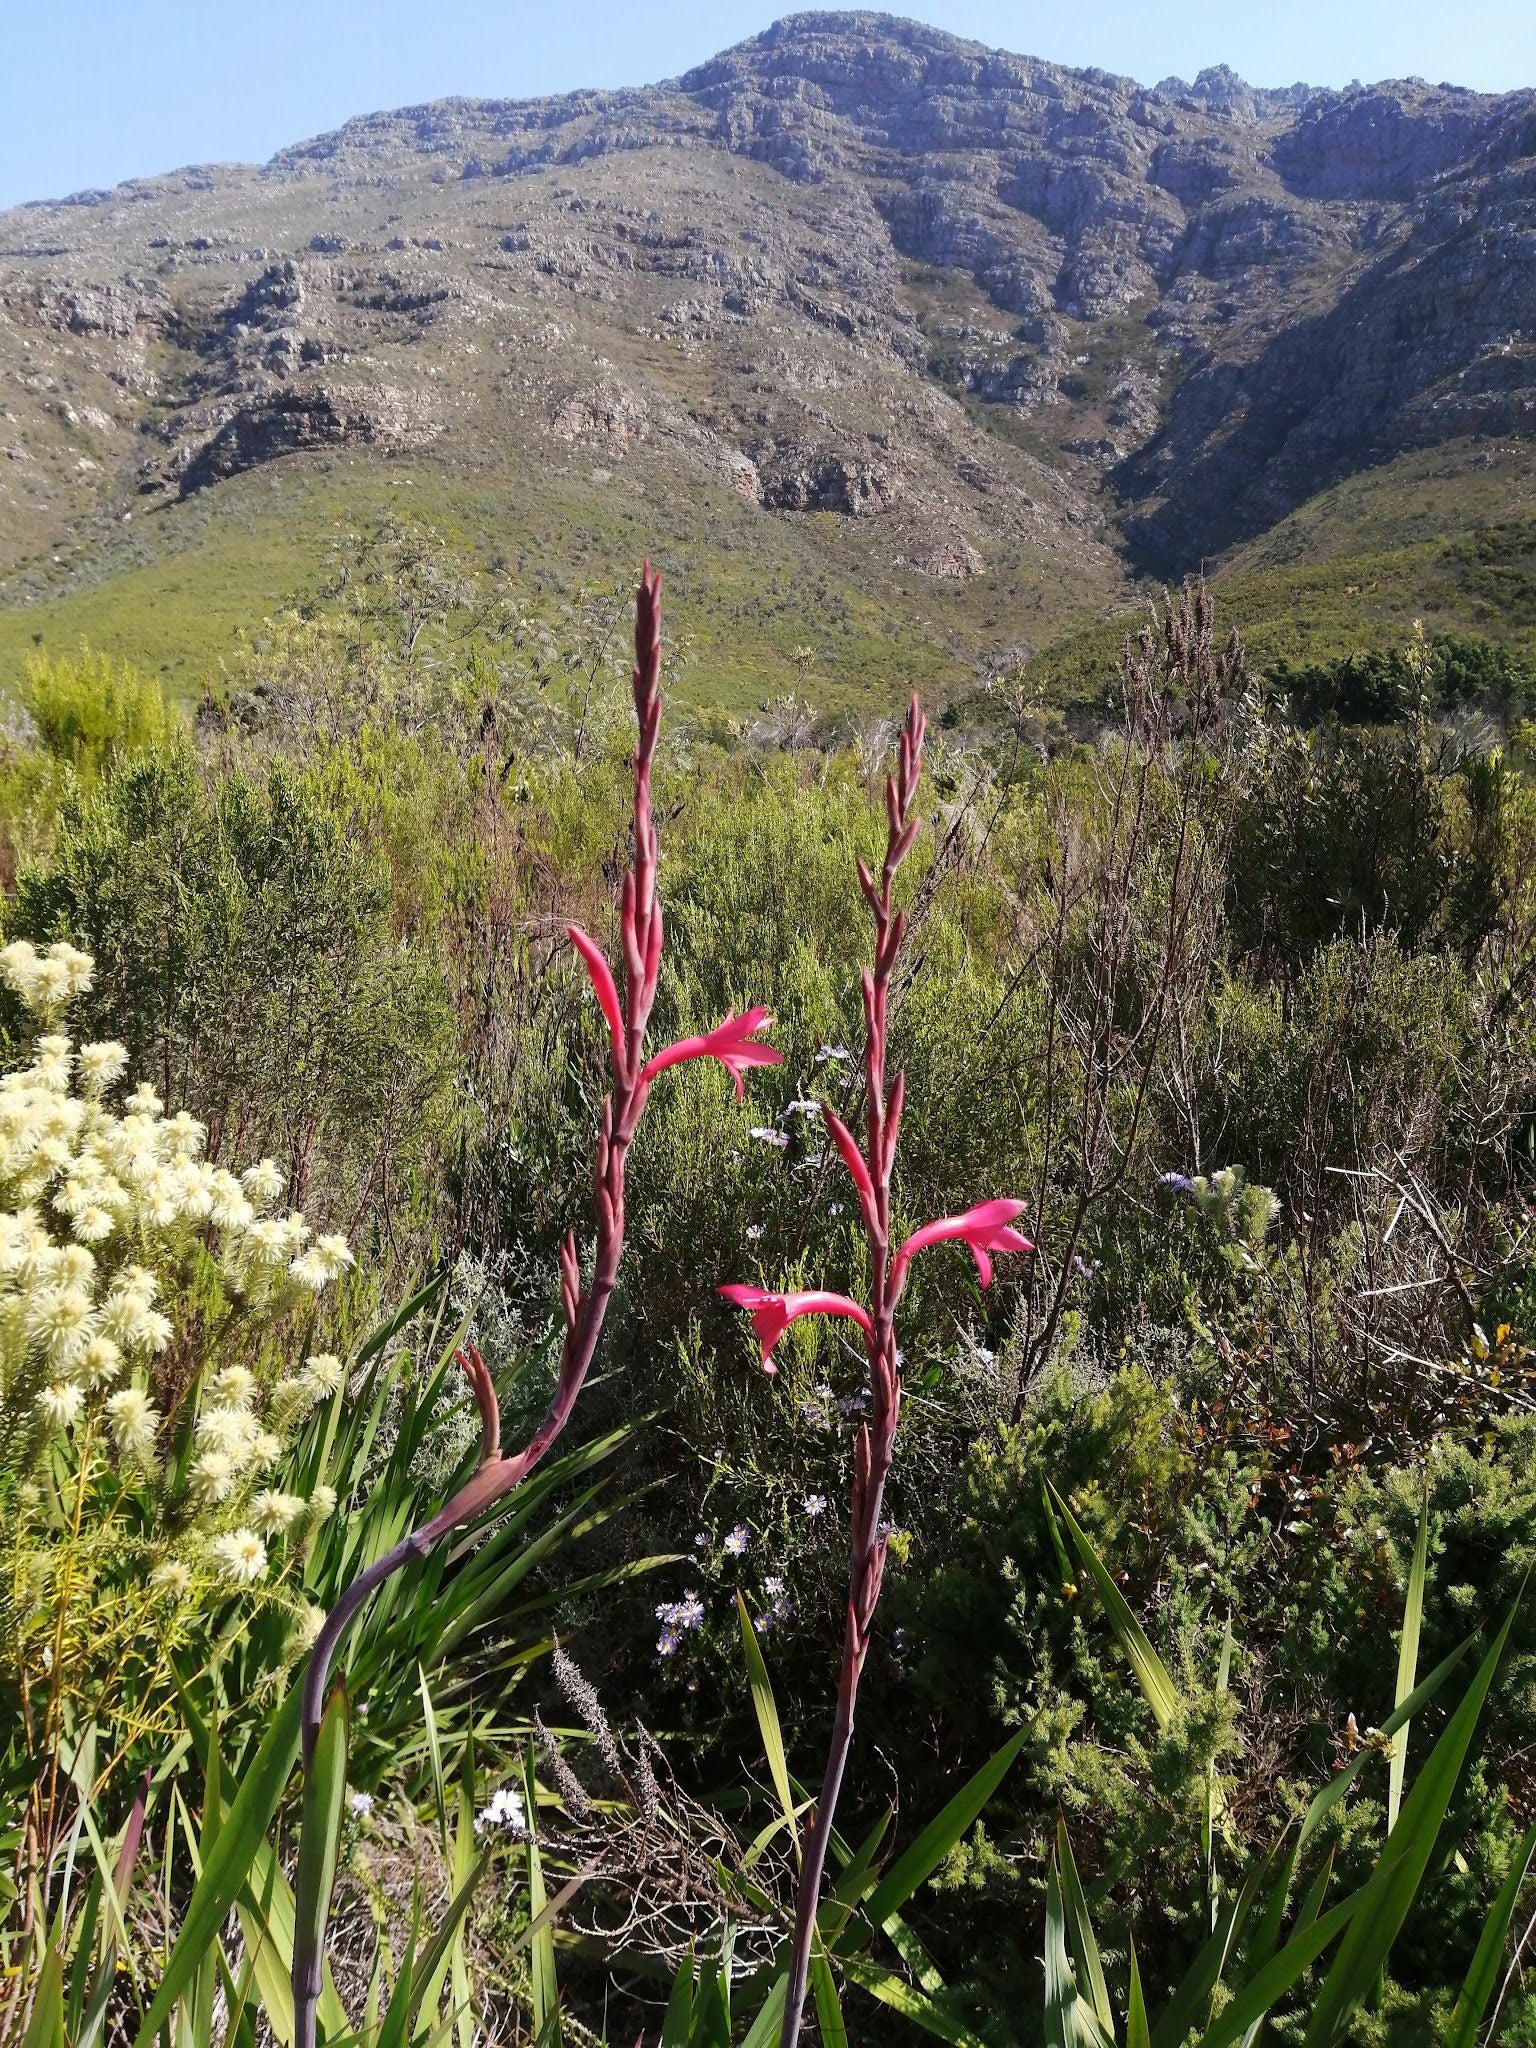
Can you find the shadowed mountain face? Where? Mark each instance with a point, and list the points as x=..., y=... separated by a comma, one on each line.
x=1011, y=325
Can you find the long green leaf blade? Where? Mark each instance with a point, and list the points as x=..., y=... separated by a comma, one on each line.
x=919, y=1862
x=767, y=1718
x=546, y=1982
x=227, y=1865
x=1268, y=1986
x=1137, y=2034
x=931, y=2014
x=325, y=1796
x=1408, y=1660
x=1388, y=1894
x=1472, y=2000
x=677, y=2024
x=1340, y=1782
x=1080, y=1929
x=764, y=2029
x=829, y=2011
x=45, y=2029
x=1151, y=1672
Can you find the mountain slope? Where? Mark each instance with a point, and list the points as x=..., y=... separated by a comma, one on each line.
x=948, y=344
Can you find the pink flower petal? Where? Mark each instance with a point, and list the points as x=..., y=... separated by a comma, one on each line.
x=986, y=1228
x=853, y=1159
x=773, y=1313
x=602, y=982
x=734, y=1044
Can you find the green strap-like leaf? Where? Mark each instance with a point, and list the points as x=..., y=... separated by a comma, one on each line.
x=1408, y=1660
x=931, y=2014
x=1137, y=2034
x=767, y=1718
x=1268, y=1986
x=546, y=1983
x=228, y=1864
x=853, y=1880
x=764, y=2029
x=45, y=2029
x=829, y=2011
x=395, y=2032
x=677, y=2025
x=932, y=1845
x=1387, y=1896
x=267, y=1920
x=1189, y=2002
x=1070, y=2021
x=1341, y=1781
x=432, y=1968
x=1080, y=1931
x=325, y=1799
x=1472, y=2001
x=1151, y=1672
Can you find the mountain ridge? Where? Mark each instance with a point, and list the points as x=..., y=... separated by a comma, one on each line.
x=1022, y=333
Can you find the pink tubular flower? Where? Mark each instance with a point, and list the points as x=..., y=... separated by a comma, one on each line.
x=772, y=1314
x=734, y=1043
x=986, y=1228
x=584, y=1302
x=853, y=1159
x=603, y=983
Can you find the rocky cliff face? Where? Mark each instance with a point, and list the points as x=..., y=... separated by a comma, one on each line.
x=969, y=303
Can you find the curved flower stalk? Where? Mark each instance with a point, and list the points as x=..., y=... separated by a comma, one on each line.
x=734, y=1043
x=985, y=1229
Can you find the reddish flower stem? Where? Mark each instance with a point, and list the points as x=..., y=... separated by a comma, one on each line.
x=584, y=1308
x=875, y=1442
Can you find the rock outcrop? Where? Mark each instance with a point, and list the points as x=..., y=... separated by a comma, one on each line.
x=290, y=422
x=963, y=300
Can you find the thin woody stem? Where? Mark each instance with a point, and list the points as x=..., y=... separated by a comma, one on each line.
x=875, y=1444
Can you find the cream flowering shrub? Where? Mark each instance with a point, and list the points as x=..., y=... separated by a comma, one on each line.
x=137, y=1453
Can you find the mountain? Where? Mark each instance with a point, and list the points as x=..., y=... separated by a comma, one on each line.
x=915, y=352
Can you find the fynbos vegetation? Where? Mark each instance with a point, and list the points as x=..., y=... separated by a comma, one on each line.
x=422, y=1618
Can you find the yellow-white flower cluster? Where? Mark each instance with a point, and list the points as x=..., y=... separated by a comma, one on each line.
x=98, y=1204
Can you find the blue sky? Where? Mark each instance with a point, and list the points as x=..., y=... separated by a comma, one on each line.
x=93, y=91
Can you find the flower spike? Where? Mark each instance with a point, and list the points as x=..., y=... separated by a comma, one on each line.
x=584, y=1306
x=987, y=1228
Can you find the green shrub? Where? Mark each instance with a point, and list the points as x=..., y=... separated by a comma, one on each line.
x=245, y=957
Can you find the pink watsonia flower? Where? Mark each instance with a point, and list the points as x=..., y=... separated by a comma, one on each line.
x=603, y=984
x=986, y=1228
x=584, y=1300
x=734, y=1044
x=773, y=1313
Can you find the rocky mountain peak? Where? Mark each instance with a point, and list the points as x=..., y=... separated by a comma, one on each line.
x=968, y=301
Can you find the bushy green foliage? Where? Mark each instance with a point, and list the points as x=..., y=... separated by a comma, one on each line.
x=1387, y=684
x=71, y=718
x=1430, y=868
x=1266, y=1079
x=91, y=711
x=245, y=954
